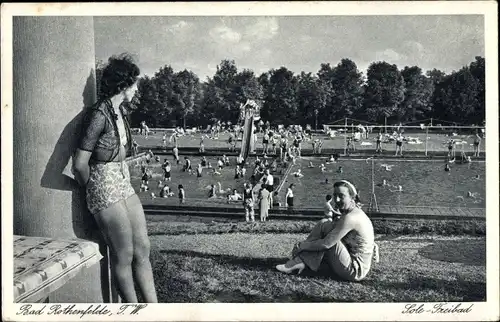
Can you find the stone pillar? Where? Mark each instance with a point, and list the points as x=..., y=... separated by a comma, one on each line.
x=53, y=70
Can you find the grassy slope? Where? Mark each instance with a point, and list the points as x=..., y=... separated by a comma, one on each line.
x=173, y=225
x=234, y=262
x=240, y=268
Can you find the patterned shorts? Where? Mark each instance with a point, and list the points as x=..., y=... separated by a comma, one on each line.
x=108, y=184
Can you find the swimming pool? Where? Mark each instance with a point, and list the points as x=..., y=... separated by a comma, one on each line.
x=423, y=182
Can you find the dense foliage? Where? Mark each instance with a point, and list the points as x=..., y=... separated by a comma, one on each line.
x=172, y=98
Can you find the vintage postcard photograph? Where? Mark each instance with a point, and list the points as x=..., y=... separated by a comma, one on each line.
x=254, y=161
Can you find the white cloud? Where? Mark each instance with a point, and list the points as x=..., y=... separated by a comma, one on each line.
x=179, y=27
x=245, y=47
x=413, y=49
x=224, y=34
x=389, y=55
x=263, y=29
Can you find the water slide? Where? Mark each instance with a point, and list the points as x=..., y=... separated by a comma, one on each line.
x=248, y=129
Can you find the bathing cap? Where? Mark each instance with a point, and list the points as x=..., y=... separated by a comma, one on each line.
x=351, y=186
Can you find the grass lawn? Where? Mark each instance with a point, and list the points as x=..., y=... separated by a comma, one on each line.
x=239, y=267
x=194, y=225
x=436, y=142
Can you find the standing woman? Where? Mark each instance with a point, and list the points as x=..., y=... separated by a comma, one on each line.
x=100, y=167
x=265, y=203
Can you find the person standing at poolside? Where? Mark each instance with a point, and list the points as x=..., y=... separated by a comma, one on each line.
x=187, y=165
x=182, y=194
x=99, y=165
x=167, y=170
x=202, y=145
x=283, y=147
x=378, y=149
x=248, y=202
x=399, y=144
x=451, y=148
x=265, y=142
x=274, y=141
x=350, y=144
x=265, y=202
x=175, y=151
x=164, y=140
x=289, y=196
x=269, y=181
x=477, y=143
x=320, y=146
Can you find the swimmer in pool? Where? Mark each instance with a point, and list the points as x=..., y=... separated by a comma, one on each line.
x=331, y=160
x=398, y=189
x=166, y=192
x=340, y=170
x=298, y=174
x=387, y=167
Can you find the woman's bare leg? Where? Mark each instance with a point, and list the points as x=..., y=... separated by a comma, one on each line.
x=117, y=231
x=141, y=264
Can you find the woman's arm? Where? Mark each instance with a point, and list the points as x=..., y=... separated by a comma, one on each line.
x=81, y=166
x=343, y=226
x=92, y=129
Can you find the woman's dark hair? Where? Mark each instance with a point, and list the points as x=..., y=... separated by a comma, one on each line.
x=119, y=74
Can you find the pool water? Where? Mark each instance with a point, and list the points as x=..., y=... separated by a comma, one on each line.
x=424, y=183
x=197, y=189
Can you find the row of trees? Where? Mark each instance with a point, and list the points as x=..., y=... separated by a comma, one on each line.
x=179, y=98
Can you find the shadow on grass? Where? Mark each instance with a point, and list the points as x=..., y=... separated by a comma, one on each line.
x=175, y=284
x=469, y=252
x=260, y=264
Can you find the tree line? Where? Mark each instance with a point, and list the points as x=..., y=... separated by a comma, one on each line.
x=387, y=93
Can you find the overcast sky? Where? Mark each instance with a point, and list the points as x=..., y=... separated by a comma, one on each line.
x=298, y=43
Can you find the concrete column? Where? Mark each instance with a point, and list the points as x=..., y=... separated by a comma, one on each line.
x=53, y=69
